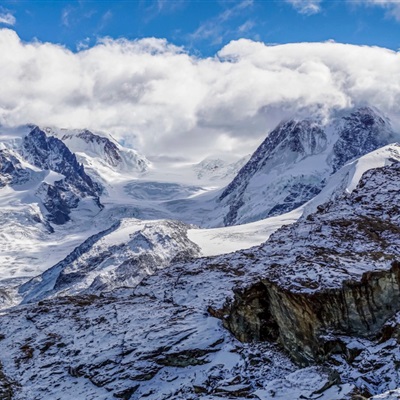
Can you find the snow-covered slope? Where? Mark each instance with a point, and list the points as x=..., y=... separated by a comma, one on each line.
x=293, y=163
x=119, y=256
x=347, y=178
x=101, y=154
x=42, y=170
x=163, y=340
x=216, y=169
x=122, y=255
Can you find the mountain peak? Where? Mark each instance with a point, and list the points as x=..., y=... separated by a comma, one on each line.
x=292, y=164
x=361, y=131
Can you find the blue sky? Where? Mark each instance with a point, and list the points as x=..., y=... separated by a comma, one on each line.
x=204, y=26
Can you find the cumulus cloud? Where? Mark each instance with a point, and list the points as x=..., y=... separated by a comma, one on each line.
x=306, y=7
x=7, y=18
x=165, y=102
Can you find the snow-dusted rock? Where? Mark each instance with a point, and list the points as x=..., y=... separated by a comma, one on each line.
x=158, y=341
x=293, y=163
x=101, y=154
x=217, y=169
x=119, y=256
x=335, y=272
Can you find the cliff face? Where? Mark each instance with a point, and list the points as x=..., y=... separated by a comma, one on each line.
x=335, y=272
x=304, y=324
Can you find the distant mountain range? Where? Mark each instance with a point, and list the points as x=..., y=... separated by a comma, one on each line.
x=113, y=283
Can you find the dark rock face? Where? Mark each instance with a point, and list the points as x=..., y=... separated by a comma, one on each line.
x=299, y=138
x=286, y=149
x=335, y=273
x=362, y=132
x=111, y=152
x=11, y=170
x=58, y=202
x=50, y=153
x=302, y=322
x=6, y=386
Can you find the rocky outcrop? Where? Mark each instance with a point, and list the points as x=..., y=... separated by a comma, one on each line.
x=11, y=170
x=335, y=272
x=73, y=184
x=119, y=256
x=306, y=323
x=50, y=153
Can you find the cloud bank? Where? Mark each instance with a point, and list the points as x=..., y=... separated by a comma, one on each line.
x=165, y=102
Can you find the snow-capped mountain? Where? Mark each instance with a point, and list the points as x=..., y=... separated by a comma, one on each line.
x=293, y=163
x=101, y=154
x=119, y=256
x=217, y=169
x=43, y=183
x=41, y=169
x=325, y=288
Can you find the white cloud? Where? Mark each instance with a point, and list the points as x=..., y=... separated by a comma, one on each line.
x=306, y=7
x=392, y=6
x=66, y=15
x=166, y=102
x=7, y=18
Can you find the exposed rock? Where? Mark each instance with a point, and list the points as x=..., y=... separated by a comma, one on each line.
x=119, y=256
x=62, y=195
x=293, y=163
x=301, y=322
x=6, y=386
x=336, y=272
x=50, y=153
x=11, y=170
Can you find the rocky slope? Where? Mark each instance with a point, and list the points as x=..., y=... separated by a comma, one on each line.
x=48, y=174
x=119, y=256
x=335, y=272
x=216, y=169
x=325, y=289
x=293, y=163
x=101, y=154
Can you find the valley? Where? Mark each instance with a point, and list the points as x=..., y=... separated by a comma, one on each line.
x=269, y=276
